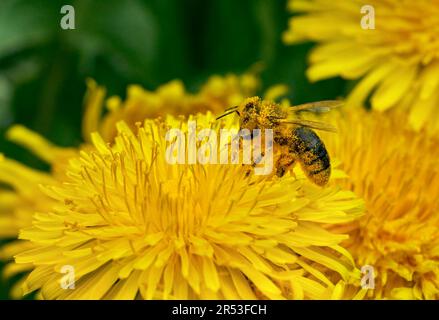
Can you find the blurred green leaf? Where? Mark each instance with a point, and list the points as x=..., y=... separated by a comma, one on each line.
x=122, y=32
x=5, y=102
x=24, y=24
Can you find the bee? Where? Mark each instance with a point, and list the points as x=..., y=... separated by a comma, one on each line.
x=293, y=137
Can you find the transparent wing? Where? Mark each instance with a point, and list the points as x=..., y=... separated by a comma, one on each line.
x=318, y=106
x=311, y=124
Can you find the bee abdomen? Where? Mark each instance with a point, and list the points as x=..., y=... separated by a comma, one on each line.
x=312, y=155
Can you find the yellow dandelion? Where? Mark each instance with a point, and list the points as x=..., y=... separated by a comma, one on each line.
x=20, y=195
x=131, y=225
x=395, y=170
x=396, y=63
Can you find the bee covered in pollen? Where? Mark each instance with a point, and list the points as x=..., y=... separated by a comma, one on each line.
x=294, y=138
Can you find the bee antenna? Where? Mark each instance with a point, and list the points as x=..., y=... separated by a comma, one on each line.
x=226, y=114
x=231, y=108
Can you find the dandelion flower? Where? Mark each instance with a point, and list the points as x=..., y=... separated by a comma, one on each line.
x=134, y=226
x=395, y=170
x=20, y=195
x=396, y=64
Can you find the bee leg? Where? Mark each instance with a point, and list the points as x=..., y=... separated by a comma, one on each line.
x=248, y=170
x=253, y=134
x=284, y=163
x=254, y=164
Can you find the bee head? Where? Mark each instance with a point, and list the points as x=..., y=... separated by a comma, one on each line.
x=249, y=111
x=253, y=113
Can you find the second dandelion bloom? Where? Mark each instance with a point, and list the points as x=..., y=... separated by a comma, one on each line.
x=133, y=226
x=395, y=170
x=396, y=63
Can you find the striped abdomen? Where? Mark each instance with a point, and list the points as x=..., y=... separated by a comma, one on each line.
x=311, y=154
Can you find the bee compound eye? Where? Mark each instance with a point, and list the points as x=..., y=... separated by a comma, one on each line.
x=248, y=106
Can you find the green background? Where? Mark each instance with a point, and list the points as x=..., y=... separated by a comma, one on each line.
x=43, y=68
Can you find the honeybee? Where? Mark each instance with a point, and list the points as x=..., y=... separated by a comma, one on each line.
x=293, y=137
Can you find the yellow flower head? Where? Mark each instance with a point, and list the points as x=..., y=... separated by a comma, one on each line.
x=20, y=195
x=395, y=170
x=396, y=63
x=134, y=226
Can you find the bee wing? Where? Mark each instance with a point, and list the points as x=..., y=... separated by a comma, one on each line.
x=311, y=124
x=318, y=106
